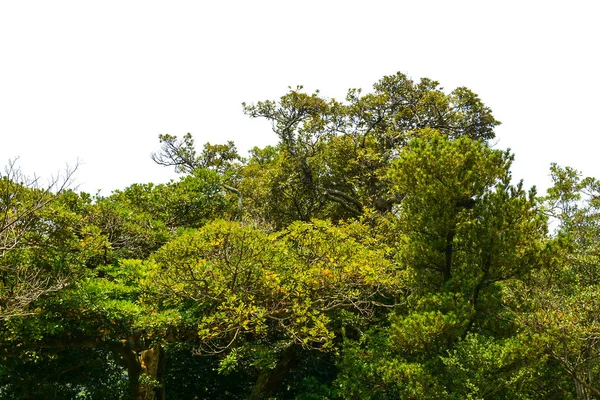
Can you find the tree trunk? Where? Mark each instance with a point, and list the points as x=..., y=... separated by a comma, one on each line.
x=152, y=363
x=269, y=381
x=146, y=373
x=145, y=368
x=134, y=370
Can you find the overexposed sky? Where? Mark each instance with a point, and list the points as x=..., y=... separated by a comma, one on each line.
x=99, y=81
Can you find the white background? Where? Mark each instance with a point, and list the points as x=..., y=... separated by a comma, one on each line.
x=99, y=81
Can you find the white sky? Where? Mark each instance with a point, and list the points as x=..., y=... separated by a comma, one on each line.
x=98, y=81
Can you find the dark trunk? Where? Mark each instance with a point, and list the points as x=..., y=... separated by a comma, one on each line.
x=145, y=370
x=269, y=381
x=134, y=370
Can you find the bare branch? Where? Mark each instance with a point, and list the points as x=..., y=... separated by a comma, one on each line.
x=22, y=202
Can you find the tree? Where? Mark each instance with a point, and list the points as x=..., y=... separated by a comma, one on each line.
x=190, y=202
x=110, y=311
x=464, y=232
x=560, y=304
x=35, y=239
x=287, y=290
x=141, y=218
x=380, y=250
x=333, y=157
x=222, y=159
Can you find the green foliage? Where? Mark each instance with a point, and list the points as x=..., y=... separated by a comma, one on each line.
x=560, y=303
x=44, y=242
x=463, y=222
x=65, y=374
x=141, y=218
x=190, y=202
x=464, y=231
x=371, y=369
x=481, y=367
x=288, y=285
x=379, y=250
x=333, y=157
x=432, y=323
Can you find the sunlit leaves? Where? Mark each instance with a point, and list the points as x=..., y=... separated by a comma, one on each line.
x=247, y=282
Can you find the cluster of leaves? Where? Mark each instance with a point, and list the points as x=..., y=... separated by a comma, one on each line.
x=242, y=281
x=379, y=250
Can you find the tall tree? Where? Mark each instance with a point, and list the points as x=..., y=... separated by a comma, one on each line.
x=334, y=152
x=464, y=231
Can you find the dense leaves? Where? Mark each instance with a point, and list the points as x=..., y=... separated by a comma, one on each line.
x=380, y=250
x=244, y=282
